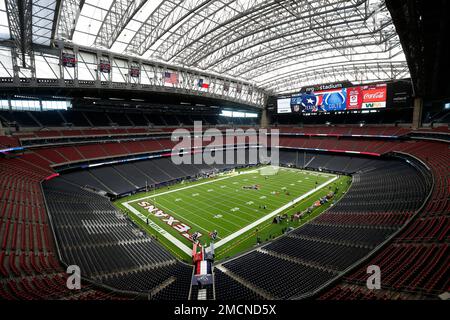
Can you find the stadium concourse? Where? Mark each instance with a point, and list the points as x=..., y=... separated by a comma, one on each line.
x=329, y=121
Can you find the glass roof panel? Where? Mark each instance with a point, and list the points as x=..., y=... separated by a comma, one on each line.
x=4, y=26
x=275, y=44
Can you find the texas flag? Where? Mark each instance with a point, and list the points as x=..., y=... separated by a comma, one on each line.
x=202, y=84
x=203, y=267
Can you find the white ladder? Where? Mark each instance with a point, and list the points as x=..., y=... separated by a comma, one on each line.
x=201, y=294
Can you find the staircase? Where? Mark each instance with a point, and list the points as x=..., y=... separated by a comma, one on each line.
x=202, y=294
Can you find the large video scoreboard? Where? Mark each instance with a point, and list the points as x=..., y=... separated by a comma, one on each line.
x=334, y=98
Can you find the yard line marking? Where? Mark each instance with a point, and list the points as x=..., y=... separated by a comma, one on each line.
x=207, y=182
x=193, y=210
x=160, y=205
x=272, y=214
x=202, y=209
x=224, y=199
x=221, y=242
x=212, y=200
x=176, y=190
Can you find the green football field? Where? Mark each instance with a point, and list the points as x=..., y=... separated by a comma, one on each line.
x=236, y=205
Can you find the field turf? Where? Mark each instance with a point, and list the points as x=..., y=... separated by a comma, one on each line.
x=235, y=205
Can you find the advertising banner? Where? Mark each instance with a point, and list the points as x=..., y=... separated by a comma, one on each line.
x=105, y=66
x=68, y=60
x=374, y=97
x=354, y=98
x=135, y=71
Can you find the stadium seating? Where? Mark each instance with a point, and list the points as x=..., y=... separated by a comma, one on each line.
x=278, y=277
x=108, y=248
x=29, y=266
x=416, y=263
x=333, y=243
x=86, y=119
x=98, y=97
x=229, y=289
x=28, y=260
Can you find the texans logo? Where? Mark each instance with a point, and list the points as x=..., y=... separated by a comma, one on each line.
x=309, y=102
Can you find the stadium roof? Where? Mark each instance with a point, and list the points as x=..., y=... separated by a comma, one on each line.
x=279, y=45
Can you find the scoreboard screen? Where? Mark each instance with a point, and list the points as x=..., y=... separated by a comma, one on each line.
x=338, y=99
x=284, y=105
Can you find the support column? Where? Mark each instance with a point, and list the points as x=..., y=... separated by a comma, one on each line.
x=417, y=113
x=264, y=118
x=75, y=70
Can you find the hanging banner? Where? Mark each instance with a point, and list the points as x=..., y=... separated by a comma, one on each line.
x=68, y=60
x=135, y=71
x=104, y=66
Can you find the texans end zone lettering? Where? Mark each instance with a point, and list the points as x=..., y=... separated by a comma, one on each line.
x=179, y=226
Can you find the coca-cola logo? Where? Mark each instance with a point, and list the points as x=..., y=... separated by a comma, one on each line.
x=375, y=95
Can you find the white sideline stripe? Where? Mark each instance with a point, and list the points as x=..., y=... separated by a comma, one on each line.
x=160, y=230
x=272, y=214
